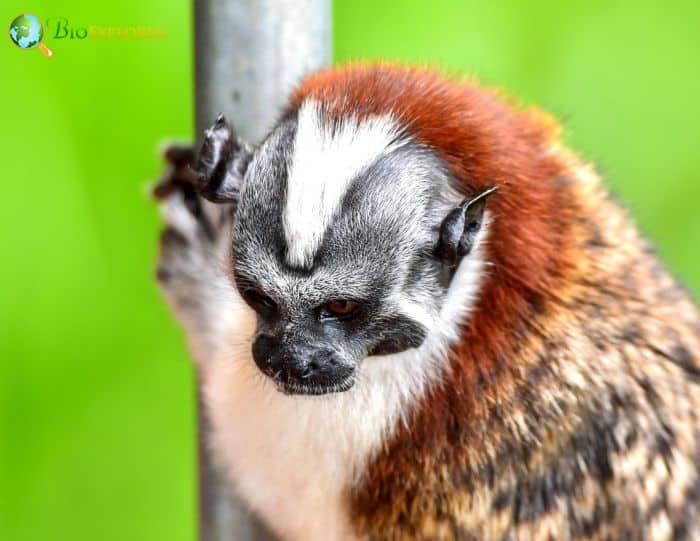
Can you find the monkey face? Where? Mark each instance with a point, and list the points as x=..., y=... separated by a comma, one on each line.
x=316, y=328
x=316, y=350
x=346, y=235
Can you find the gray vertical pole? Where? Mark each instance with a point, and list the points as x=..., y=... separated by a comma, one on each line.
x=249, y=54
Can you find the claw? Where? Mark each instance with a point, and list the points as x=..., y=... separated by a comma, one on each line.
x=219, y=168
x=221, y=162
x=179, y=172
x=217, y=149
x=179, y=155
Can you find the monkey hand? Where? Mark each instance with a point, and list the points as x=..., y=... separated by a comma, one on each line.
x=193, y=254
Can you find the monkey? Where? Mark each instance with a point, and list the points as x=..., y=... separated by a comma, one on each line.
x=417, y=314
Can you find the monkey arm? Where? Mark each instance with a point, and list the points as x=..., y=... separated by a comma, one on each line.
x=191, y=271
x=192, y=259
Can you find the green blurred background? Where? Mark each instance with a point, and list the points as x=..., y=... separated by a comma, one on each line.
x=96, y=391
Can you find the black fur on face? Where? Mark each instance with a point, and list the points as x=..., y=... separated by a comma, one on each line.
x=310, y=350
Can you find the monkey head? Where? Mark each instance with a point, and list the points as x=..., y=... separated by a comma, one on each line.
x=347, y=236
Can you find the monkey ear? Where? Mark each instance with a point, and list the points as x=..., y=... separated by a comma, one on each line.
x=459, y=229
x=222, y=162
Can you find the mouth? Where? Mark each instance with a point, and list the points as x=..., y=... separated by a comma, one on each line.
x=314, y=389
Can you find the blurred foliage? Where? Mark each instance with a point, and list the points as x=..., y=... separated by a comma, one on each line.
x=96, y=391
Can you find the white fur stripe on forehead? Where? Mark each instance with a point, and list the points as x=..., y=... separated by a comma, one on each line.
x=325, y=160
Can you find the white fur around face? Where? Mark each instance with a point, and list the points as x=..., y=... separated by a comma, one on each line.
x=292, y=458
x=324, y=162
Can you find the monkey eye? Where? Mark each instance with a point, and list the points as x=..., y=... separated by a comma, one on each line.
x=259, y=301
x=341, y=307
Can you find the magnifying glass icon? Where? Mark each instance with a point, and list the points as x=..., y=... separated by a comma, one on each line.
x=26, y=31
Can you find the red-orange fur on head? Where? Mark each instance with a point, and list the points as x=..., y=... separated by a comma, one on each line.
x=484, y=142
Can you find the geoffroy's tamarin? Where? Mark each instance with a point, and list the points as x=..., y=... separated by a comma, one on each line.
x=417, y=315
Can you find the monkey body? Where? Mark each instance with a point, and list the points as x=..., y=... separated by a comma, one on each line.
x=544, y=379
x=589, y=432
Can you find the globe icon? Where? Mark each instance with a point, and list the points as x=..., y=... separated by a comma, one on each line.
x=26, y=32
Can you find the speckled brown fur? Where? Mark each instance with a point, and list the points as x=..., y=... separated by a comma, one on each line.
x=571, y=407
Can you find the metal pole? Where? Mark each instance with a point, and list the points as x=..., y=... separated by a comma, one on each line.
x=249, y=54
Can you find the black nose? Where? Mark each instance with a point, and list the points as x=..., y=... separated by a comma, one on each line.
x=299, y=365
